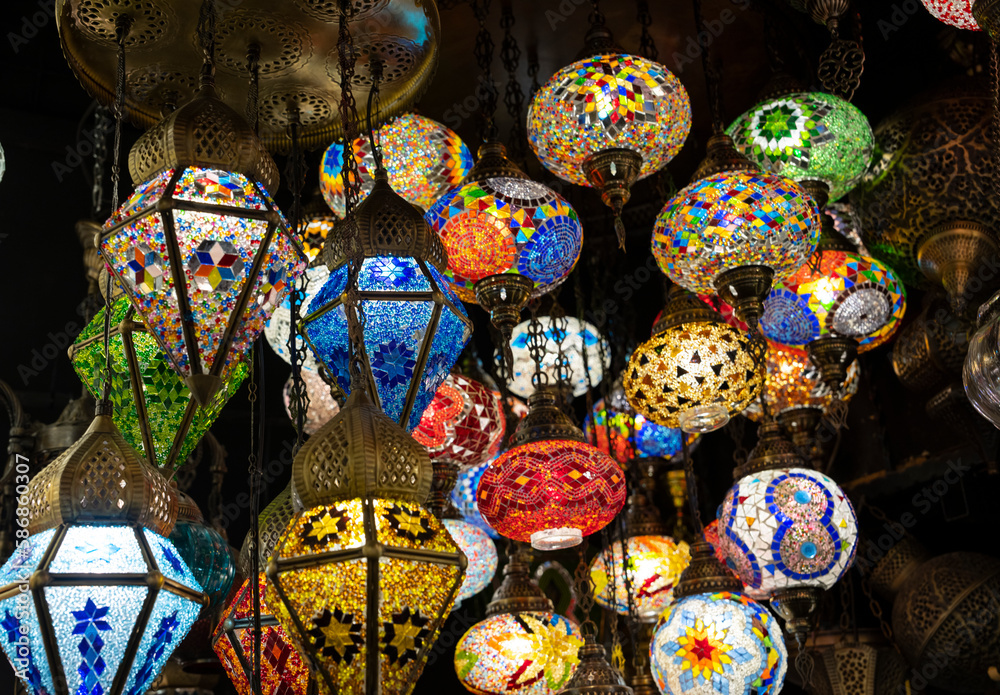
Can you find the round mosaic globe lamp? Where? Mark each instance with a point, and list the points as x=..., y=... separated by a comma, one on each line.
x=695, y=372
x=957, y=13
x=464, y=423
x=479, y=552
x=522, y=647
x=607, y=121
x=423, y=158
x=573, y=352
x=414, y=324
x=363, y=576
x=624, y=434
x=97, y=597
x=202, y=252
x=316, y=225
x=550, y=488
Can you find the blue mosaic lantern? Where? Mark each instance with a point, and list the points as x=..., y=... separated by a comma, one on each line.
x=414, y=323
x=464, y=497
x=96, y=598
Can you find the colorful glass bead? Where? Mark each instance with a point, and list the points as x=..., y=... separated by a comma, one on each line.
x=957, y=13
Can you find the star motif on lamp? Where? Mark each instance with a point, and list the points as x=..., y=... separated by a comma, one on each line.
x=409, y=523
x=393, y=363
x=145, y=270
x=786, y=130
x=336, y=635
x=272, y=290
x=404, y=636
x=216, y=266
x=324, y=527
x=217, y=184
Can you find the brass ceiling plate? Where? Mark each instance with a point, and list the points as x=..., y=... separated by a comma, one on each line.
x=298, y=57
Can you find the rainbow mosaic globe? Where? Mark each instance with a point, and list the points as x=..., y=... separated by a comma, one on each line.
x=732, y=220
x=480, y=553
x=624, y=434
x=709, y=644
x=655, y=566
x=605, y=102
x=530, y=653
x=424, y=159
x=957, y=13
x=787, y=528
x=807, y=136
x=838, y=293
x=506, y=225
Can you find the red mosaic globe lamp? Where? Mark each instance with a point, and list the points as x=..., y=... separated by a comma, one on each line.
x=464, y=423
x=550, y=488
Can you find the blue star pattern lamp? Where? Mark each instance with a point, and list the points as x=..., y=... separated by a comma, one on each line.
x=414, y=324
x=96, y=598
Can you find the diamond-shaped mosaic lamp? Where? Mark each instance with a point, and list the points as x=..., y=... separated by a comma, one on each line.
x=96, y=598
x=200, y=248
x=153, y=407
x=464, y=425
x=283, y=671
x=364, y=576
x=414, y=324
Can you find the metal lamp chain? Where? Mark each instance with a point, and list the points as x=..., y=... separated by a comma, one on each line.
x=712, y=77
x=647, y=47
x=484, y=58
x=692, y=486
x=102, y=125
x=585, y=590
x=612, y=589
x=995, y=89
x=254, y=471
x=536, y=347
x=253, y=93
x=298, y=397
x=513, y=98
x=123, y=26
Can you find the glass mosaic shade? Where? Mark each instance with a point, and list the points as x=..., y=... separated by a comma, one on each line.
x=608, y=101
x=724, y=642
x=957, y=13
x=728, y=221
x=655, y=566
x=414, y=325
x=807, y=136
x=464, y=423
x=982, y=363
x=624, y=435
x=465, y=495
x=205, y=551
x=568, y=336
x=322, y=405
x=793, y=381
x=424, y=159
x=838, y=293
x=480, y=553
x=527, y=653
x=316, y=225
x=278, y=328
x=153, y=407
x=785, y=528
x=501, y=222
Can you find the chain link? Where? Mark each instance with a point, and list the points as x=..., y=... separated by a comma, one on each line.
x=536, y=347
x=736, y=429
x=647, y=47
x=585, y=591
x=533, y=68
x=253, y=93
x=513, y=98
x=995, y=84
x=876, y=609
x=102, y=126
x=484, y=58
x=295, y=172
x=253, y=469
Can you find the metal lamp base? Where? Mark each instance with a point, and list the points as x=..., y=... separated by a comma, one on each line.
x=612, y=172
x=953, y=255
x=745, y=289
x=504, y=295
x=832, y=356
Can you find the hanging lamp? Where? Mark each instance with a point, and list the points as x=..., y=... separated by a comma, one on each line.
x=550, y=487
x=522, y=646
x=573, y=351
x=201, y=250
x=322, y=405
x=465, y=495
x=695, y=372
x=957, y=13
x=316, y=225
x=464, y=423
x=96, y=598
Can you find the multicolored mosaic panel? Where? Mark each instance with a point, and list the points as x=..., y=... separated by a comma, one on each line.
x=787, y=528
x=480, y=553
x=630, y=434
x=396, y=332
x=322, y=405
x=604, y=102
x=93, y=625
x=313, y=234
x=464, y=497
x=464, y=423
x=691, y=366
x=424, y=160
x=794, y=382
x=565, y=341
x=165, y=395
x=282, y=670
x=506, y=225
x=732, y=220
x=551, y=484
x=808, y=135
x=216, y=255
x=278, y=328
x=711, y=534
x=837, y=293
x=712, y=644
x=957, y=13
x=655, y=564
x=330, y=599
x=530, y=653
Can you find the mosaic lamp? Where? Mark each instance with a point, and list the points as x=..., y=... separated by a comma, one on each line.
x=414, y=324
x=838, y=304
x=550, y=487
x=957, y=13
x=464, y=497
x=573, y=352
x=788, y=531
x=363, y=576
x=464, y=423
x=153, y=407
x=424, y=160
x=607, y=121
x=522, y=647
x=204, y=550
x=695, y=372
x=981, y=369
x=734, y=233
x=201, y=250
x=283, y=671
x=97, y=597
x=714, y=639
x=317, y=223
x=508, y=238
x=808, y=136
x=278, y=329
x=322, y=405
